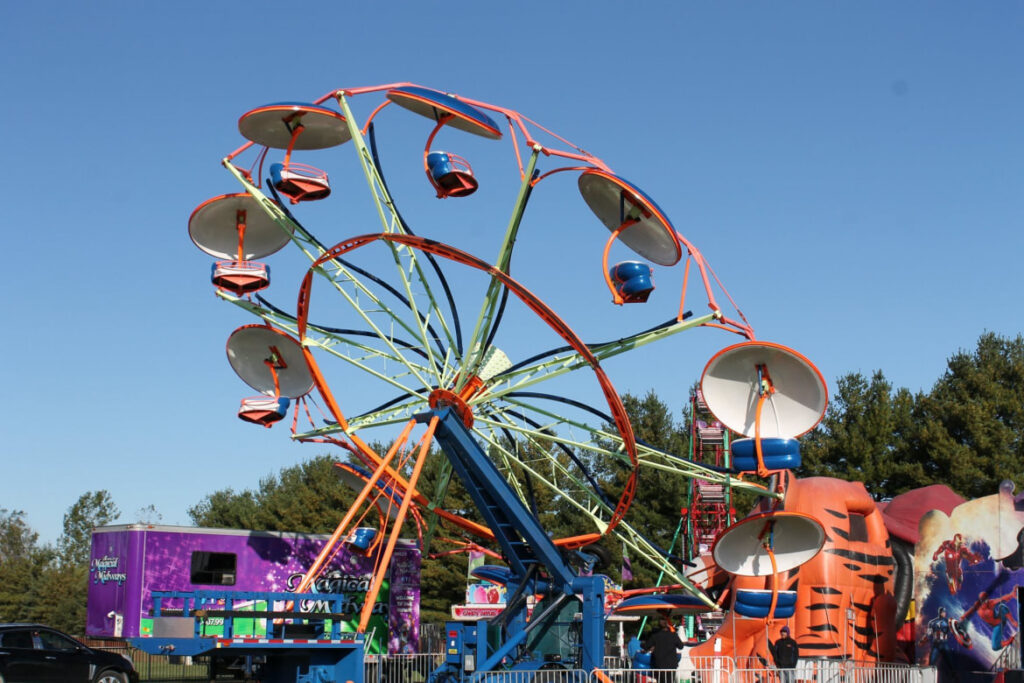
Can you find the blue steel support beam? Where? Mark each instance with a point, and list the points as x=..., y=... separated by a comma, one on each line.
x=512, y=524
x=503, y=512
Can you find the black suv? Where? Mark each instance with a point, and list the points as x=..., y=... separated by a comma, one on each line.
x=30, y=653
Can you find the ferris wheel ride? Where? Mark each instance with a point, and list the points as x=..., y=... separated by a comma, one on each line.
x=388, y=307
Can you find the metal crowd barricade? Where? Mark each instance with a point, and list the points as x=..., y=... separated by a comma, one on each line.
x=822, y=670
x=614, y=663
x=871, y=672
x=755, y=670
x=758, y=675
x=550, y=675
x=713, y=669
x=416, y=668
x=400, y=668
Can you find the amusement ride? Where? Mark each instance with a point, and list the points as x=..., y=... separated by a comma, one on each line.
x=397, y=330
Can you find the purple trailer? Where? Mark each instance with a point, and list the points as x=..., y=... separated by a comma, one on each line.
x=131, y=561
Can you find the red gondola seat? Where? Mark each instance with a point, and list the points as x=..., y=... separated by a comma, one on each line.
x=264, y=410
x=299, y=182
x=451, y=175
x=240, y=277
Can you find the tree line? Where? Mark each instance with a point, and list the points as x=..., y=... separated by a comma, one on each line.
x=48, y=583
x=965, y=432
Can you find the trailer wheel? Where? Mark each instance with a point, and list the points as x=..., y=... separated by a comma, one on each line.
x=110, y=676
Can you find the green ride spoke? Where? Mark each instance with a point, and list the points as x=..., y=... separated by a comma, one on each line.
x=508, y=459
x=570, y=361
x=337, y=275
x=485, y=321
x=645, y=455
x=444, y=478
x=512, y=462
x=537, y=439
x=329, y=339
x=392, y=223
x=398, y=415
x=641, y=549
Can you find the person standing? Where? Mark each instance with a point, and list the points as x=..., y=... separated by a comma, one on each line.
x=785, y=653
x=664, y=645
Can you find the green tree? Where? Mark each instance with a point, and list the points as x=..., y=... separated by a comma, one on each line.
x=92, y=509
x=60, y=583
x=966, y=432
x=62, y=596
x=863, y=437
x=443, y=576
x=306, y=498
x=660, y=496
x=969, y=429
x=22, y=563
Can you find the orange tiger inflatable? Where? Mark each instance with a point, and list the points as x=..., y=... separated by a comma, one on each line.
x=854, y=571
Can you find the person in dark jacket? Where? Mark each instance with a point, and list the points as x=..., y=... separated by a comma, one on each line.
x=664, y=645
x=785, y=653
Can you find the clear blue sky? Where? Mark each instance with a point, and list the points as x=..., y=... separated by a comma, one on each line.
x=852, y=170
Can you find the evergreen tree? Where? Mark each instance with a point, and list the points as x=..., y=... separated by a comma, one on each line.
x=22, y=564
x=660, y=496
x=969, y=429
x=443, y=575
x=306, y=498
x=62, y=597
x=862, y=437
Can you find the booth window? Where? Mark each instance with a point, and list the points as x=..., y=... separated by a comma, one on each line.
x=214, y=568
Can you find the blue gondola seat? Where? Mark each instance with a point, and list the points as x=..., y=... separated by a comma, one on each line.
x=451, y=175
x=362, y=538
x=639, y=658
x=632, y=280
x=299, y=182
x=756, y=603
x=778, y=454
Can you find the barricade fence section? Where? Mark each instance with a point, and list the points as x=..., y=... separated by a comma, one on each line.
x=400, y=668
x=728, y=670
x=554, y=674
